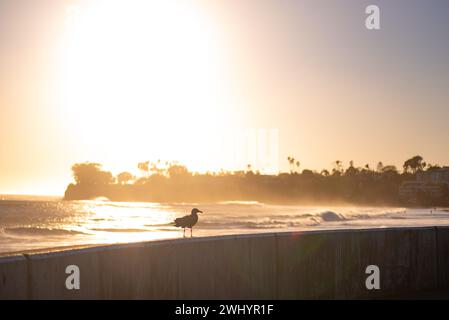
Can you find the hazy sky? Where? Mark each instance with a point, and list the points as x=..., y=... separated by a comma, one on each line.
x=120, y=82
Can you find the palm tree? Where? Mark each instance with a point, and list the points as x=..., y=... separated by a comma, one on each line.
x=380, y=166
x=338, y=167
x=144, y=167
x=292, y=163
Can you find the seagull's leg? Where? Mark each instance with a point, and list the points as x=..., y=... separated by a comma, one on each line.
x=184, y=235
x=191, y=232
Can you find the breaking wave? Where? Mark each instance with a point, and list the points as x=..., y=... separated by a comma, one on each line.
x=330, y=216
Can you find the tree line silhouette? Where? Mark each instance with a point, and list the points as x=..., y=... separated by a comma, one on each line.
x=171, y=181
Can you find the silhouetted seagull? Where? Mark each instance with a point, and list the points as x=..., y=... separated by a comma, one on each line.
x=188, y=221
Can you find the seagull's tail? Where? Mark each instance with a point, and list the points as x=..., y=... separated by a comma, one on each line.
x=177, y=223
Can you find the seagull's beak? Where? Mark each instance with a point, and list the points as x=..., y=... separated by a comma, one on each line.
x=200, y=211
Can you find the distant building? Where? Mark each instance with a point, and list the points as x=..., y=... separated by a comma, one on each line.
x=440, y=175
x=432, y=183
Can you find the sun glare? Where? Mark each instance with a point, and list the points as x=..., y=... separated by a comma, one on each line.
x=143, y=80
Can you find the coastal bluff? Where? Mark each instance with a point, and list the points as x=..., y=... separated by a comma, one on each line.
x=286, y=265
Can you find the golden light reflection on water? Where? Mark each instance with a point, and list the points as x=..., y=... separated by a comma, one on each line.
x=128, y=222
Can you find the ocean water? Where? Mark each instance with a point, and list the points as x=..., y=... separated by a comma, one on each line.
x=27, y=224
